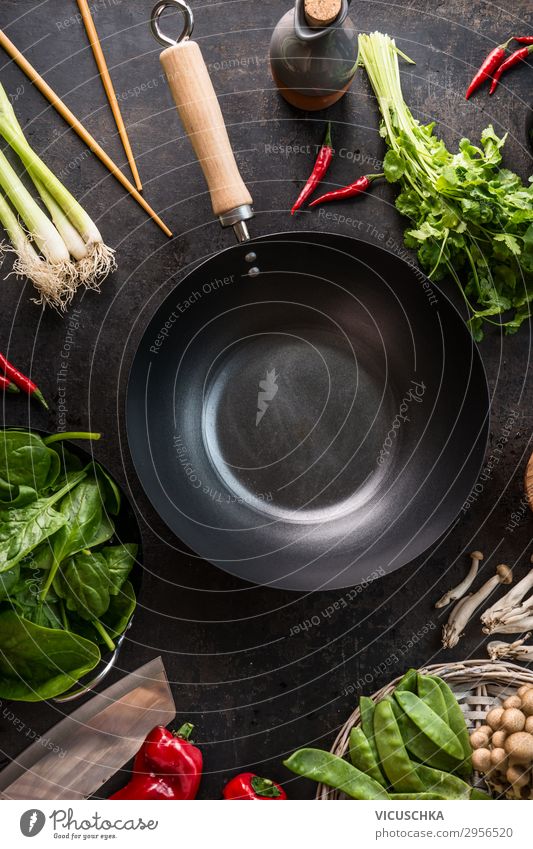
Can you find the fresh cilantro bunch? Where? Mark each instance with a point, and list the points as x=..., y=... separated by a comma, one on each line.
x=471, y=218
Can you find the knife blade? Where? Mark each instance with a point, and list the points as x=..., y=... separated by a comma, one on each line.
x=79, y=754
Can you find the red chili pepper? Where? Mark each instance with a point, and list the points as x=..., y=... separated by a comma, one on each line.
x=354, y=189
x=23, y=382
x=7, y=386
x=510, y=62
x=493, y=60
x=523, y=39
x=250, y=786
x=167, y=766
x=323, y=161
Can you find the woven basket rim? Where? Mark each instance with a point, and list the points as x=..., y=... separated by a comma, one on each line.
x=475, y=674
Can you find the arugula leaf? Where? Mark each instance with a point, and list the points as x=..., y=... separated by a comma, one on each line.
x=39, y=663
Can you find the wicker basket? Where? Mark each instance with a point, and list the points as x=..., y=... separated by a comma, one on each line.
x=478, y=685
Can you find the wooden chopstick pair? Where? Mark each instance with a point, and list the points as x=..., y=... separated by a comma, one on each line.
x=101, y=64
x=78, y=128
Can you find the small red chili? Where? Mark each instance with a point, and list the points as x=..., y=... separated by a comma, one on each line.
x=251, y=787
x=354, y=189
x=24, y=383
x=7, y=385
x=513, y=60
x=322, y=163
x=493, y=60
x=523, y=39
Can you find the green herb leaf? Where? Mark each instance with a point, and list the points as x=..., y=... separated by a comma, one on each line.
x=39, y=663
x=120, y=560
x=83, y=581
x=470, y=219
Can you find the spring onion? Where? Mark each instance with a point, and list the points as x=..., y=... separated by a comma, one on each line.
x=58, y=253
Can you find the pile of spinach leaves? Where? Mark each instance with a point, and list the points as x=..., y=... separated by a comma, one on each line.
x=64, y=586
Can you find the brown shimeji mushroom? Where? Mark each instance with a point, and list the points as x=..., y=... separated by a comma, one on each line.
x=465, y=609
x=511, y=611
x=458, y=592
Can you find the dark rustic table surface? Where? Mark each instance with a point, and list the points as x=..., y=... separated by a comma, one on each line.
x=260, y=672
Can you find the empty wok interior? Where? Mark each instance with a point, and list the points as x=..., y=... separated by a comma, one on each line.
x=307, y=425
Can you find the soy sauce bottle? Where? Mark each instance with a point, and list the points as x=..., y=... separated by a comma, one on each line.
x=313, y=53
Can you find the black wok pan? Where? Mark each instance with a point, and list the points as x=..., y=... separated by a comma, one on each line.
x=304, y=410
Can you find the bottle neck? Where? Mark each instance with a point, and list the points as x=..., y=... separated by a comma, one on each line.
x=305, y=32
x=321, y=13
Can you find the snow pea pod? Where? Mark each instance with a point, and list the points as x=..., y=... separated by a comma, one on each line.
x=362, y=756
x=420, y=797
x=430, y=723
x=437, y=781
x=421, y=747
x=429, y=691
x=408, y=682
x=366, y=709
x=335, y=772
x=457, y=723
x=394, y=759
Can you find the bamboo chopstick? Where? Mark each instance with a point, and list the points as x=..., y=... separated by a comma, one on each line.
x=101, y=64
x=78, y=128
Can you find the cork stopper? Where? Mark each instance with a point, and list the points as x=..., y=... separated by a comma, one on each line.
x=321, y=13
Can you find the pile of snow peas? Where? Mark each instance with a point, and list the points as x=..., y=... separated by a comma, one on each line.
x=413, y=744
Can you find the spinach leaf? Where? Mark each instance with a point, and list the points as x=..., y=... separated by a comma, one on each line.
x=23, y=529
x=25, y=461
x=70, y=462
x=111, y=496
x=8, y=581
x=26, y=601
x=82, y=528
x=82, y=511
x=83, y=581
x=41, y=557
x=120, y=610
x=39, y=663
x=120, y=560
x=105, y=531
x=16, y=496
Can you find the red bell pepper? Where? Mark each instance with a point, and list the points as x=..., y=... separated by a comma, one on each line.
x=167, y=766
x=250, y=786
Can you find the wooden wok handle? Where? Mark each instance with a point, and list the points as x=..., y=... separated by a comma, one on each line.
x=202, y=118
